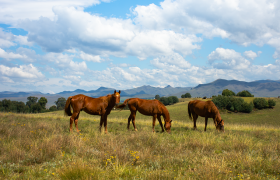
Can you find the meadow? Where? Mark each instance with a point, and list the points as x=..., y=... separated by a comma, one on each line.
x=39, y=146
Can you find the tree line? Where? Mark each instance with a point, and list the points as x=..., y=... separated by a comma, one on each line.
x=33, y=105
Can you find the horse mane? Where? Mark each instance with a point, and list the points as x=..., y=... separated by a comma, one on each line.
x=106, y=98
x=217, y=113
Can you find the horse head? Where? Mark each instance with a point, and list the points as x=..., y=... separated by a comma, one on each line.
x=167, y=126
x=116, y=97
x=220, y=126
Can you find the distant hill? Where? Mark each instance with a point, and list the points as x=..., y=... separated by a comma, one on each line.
x=146, y=92
x=261, y=88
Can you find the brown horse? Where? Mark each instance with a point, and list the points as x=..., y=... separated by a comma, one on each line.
x=149, y=108
x=205, y=109
x=95, y=106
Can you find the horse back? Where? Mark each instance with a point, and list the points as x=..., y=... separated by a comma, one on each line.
x=149, y=107
x=202, y=108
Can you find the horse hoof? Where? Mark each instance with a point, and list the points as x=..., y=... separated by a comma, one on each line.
x=135, y=129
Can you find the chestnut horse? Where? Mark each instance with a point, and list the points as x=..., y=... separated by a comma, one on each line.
x=149, y=108
x=205, y=109
x=95, y=106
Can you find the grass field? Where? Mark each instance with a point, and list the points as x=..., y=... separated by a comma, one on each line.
x=39, y=146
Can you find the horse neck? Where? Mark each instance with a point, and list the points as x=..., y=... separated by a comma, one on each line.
x=165, y=115
x=217, y=116
x=110, y=101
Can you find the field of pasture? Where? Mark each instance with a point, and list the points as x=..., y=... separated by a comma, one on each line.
x=39, y=146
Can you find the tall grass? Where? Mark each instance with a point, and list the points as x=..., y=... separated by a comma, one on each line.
x=39, y=146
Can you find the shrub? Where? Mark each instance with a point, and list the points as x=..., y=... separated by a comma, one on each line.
x=232, y=104
x=245, y=93
x=246, y=107
x=271, y=103
x=260, y=103
x=53, y=108
x=187, y=95
x=227, y=92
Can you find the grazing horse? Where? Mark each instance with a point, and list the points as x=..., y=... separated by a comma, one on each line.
x=149, y=108
x=205, y=109
x=95, y=106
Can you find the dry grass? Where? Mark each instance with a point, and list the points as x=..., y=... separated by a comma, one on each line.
x=39, y=146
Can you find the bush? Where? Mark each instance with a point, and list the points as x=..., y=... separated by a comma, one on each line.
x=232, y=104
x=227, y=92
x=169, y=100
x=244, y=93
x=53, y=108
x=271, y=103
x=187, y=95
x=260, y=103
x=246, y=107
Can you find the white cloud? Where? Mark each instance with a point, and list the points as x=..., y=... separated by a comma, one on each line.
x=10, y=55
x=227, y=59
x=97, y=36
x=23, y=72
x=89, y=57
x=250, y=54
x=14, y=10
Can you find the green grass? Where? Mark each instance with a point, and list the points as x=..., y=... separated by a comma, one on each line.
x=39, y=146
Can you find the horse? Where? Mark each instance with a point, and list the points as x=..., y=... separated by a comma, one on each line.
x=205, y=109
x=149, y=108
x=101, y=106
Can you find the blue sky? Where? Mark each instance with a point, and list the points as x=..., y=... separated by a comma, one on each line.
x=53, y=46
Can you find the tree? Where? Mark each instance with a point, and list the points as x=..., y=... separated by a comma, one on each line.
x=60, y=103
x=164, y=100
x=43, y=101
x=188, y=95
x=53, y=108
x=227, y=92
x=183, y=96
x=175, y=99
x=260, y=103
x=6, y=105
x=31, y=100
x=157, y=97
x=271, y=103
x=245, y=93
x=170, y=100
x=36, y=108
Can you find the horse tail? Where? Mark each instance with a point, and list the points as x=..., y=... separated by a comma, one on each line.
x=189, y=111
x=67, y=108
x=121, y=106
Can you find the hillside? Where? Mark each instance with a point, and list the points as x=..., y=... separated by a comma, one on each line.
x=261, y=88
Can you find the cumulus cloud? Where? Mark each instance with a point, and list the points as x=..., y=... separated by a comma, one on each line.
x=89, y=57
x=253, y=21
x=14, y=10
x=228, y=59
x=251, y=55
x=21, y=73
x=98, y=36
x=10, y=55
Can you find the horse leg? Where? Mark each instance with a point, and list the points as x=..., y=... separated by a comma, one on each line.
x=133, y=120
x=195, y=116
x=159, y=120
x=105, y=123
x=101, y=123
x=128, y=122
x=154, y=122
x=76, y=122
x=72, y=119
x=206, y=120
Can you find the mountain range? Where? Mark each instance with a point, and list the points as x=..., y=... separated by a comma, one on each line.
x=261, y=88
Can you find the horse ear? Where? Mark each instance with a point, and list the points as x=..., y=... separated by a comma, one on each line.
x=115, y=92
x=119, y=91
